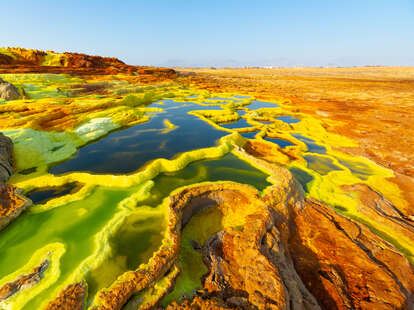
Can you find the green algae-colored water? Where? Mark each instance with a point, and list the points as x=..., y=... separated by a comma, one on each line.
x=132, y=239
x=228, y=168
x=77, y=224
x=322, y=165
x=74, y=225
x=357, y=168
x=133, y=244
x=206, y=223
x=201, y=226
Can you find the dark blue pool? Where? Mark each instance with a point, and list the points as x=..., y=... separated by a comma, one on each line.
x=281, y=142
x=288, y=119
x=126, y=150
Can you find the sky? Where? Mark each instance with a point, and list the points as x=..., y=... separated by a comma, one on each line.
x=218, y=33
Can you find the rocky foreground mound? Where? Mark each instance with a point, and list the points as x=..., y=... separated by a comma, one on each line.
x=12, y=204
x=8, y=91
x=6, y=157
x=288, y=253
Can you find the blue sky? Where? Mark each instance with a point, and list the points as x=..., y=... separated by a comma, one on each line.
x=218, y=32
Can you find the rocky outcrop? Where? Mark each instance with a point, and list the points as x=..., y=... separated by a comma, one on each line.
x=248, y=268
x=35, y=61
x=269, y=151
x=5, y=59
x=25, y=56
x=23, y=282
x=6, y=157
x=71, y=298
x=8, y=91
x=252, y=268
x=344, y=265
x=12, y=204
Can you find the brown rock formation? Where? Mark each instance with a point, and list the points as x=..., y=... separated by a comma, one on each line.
x=23, y=282
x=268, y=151
x=32, y=61
x=26, y=56
x=71, y=298
x=341, y=262
x=12, y=204
x=249, y=268
x=252, y=268
x=345, y=266
x=77, y=60
x=6, y=157
x=8, y=91
x=5, y=59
